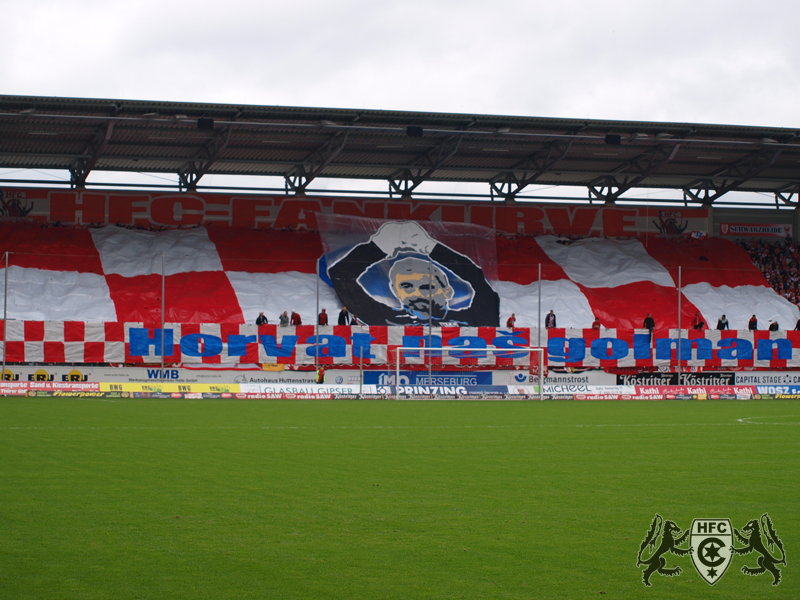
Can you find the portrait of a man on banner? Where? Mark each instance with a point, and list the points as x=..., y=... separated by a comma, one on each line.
x=400, y=274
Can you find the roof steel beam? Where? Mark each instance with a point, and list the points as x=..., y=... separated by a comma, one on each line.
x=405, y=181
x=789, y=194
x=610, y=187
x=190, y=173
x=81, y=168
x=707, y=189
x=510, y=183
x=298, y=178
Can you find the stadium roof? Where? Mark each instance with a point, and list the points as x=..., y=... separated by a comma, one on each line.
x=508, y=153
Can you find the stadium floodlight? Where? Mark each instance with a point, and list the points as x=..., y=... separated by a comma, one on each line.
x=445, y=366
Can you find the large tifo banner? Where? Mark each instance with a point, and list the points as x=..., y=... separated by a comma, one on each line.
x=408, y=273
x=77, y=342
x=281, y=212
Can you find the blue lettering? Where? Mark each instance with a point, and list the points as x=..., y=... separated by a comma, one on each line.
x=610, y=348
x=735, y=349
x=565, y=350
x=191, y=345
x=467, y=342
x=507, y=340
x=167, y=374
x=641, y=346
x=237, y=344
x=271, y=347
x=765, y=349
x=329, y=345
x=362, y=345
x=141, y=341
x=421, y=341
x=664, y=348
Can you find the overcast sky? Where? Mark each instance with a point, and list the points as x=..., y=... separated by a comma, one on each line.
x=729, y=62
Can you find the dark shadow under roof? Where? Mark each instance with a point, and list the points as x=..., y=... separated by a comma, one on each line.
x=404, y=148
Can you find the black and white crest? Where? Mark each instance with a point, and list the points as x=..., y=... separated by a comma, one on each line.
x=711, y=541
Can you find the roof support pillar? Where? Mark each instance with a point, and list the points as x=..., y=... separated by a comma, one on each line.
x=190, y=173
x=299, y=177
x=81, y=168
x=524, y=173
x=407, y=180
x=707, y=189
x=610, y=187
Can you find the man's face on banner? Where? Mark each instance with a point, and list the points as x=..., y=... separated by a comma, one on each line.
x=422, y=288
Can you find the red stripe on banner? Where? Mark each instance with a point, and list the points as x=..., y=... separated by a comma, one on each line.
x=74, y=331
x=627, y=306
x=303, y=332
x=268, y=330
x=95, y=352
x=414, y=330
x=228, y=329
x=250, y=251
x=52, y=249
x=591, y=335
x=380, y=335
x=713, y=260
x=342, y=331
x=185, y=329
x=115, y=332
x=525, y=334
x=34, y=331
x=487, y=334
x=15, y=351
x=252, y=353
x=794, y=338
x=2, y=328
x=759, y=334
x=195, y=297
x=518, y=261
x=448, y=333
x=53, y=351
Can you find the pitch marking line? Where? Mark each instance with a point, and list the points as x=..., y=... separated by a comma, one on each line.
x=752, y=420
x=744, y=420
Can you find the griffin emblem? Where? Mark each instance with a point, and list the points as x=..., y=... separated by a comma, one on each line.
x=751, y=535
x=671, y=538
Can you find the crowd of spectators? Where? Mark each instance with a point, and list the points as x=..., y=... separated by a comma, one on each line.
x=780, y=263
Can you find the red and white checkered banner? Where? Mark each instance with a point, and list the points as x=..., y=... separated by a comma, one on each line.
x=78, y=342
x=230, y=273
x=707, y=348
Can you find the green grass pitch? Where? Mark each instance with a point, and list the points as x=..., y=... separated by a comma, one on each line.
x=161, y=499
